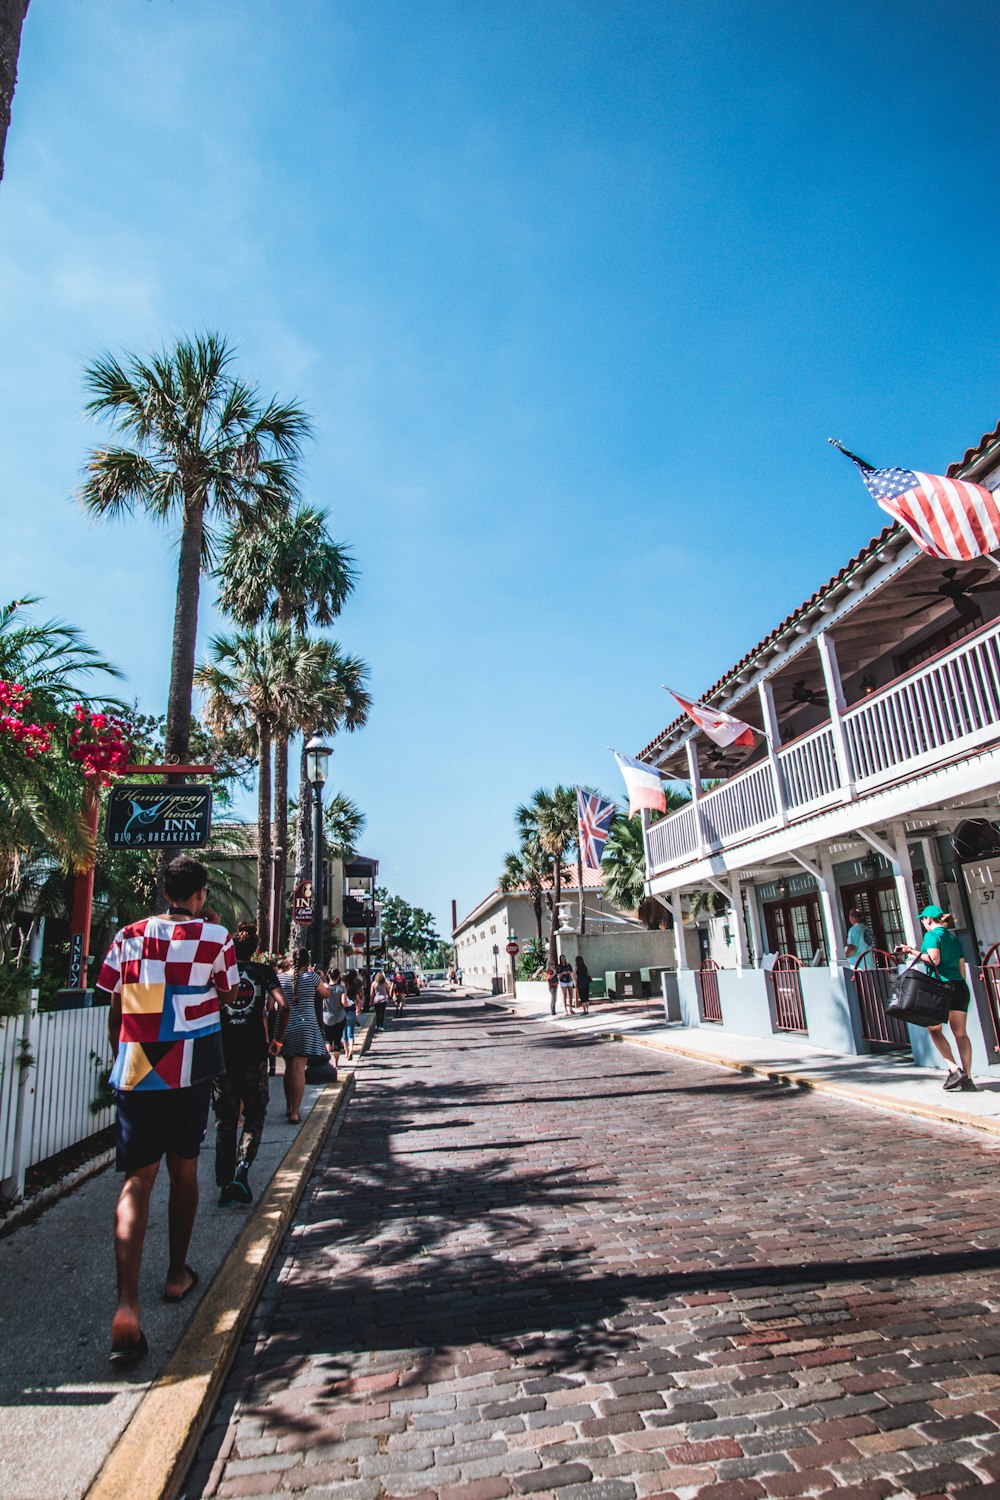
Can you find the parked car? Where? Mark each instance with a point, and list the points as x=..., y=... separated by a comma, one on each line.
x=412, y=988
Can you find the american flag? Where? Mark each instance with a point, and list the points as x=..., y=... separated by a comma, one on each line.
x=948, y=518
x=594, y=816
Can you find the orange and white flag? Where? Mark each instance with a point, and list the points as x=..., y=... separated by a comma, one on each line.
x=720, y=727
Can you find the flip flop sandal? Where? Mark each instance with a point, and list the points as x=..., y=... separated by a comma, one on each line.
x=179, y=1296
x=129, y=1354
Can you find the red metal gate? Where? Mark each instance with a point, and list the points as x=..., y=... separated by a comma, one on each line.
x=989, y=972
x=786, y=990
x=873, y=975
x=707, y=980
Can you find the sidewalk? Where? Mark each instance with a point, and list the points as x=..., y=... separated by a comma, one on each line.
x=61, y=1409
x=885, y=1082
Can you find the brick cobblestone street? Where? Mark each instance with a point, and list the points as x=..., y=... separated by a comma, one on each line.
x=533, y=1263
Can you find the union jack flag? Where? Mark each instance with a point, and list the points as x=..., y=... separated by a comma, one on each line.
x=594, y=816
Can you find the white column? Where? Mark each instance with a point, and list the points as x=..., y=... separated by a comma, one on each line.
x=899, y=860
x=679, y=947
x=834, y=931
x=838, y=933
x=932, y=865
x=739, y=935
x=903, y=871
x=766, y=694
x=835, y=699
x=753, y=916
x=694, y=775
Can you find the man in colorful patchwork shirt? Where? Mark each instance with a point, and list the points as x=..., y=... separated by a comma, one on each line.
x=164, y=977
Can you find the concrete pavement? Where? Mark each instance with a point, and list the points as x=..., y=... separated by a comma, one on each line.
x=61, y=1408
x=532, y=1263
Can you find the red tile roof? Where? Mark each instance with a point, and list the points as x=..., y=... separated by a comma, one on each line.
x=976, y=452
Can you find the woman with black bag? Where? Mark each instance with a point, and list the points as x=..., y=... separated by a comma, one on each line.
x=942, y=953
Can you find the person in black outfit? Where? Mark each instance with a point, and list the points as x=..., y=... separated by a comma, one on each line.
x=246, y=1049
x=583, y=984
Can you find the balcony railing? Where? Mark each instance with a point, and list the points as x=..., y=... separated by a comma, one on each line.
x=948, y=705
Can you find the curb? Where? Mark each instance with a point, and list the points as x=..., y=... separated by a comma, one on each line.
x=989, y=1126
x=153, y=1454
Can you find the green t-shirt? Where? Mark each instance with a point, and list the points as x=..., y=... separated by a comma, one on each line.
x=951, y=951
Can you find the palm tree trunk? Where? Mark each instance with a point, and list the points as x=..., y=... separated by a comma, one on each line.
x=12, y=14
x=557, y=893
x=263, y=828
x=303, y=842
x=185, y=635
x=536, y=901
x=185, y=643
x=280, y=829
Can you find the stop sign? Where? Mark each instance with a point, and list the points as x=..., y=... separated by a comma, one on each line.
x=513, y=948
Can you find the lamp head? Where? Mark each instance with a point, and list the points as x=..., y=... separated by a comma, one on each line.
x=318, y=753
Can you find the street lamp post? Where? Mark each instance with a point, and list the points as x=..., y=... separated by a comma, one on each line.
x=318, y=753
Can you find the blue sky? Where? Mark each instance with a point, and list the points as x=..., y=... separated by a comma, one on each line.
x=576, y=293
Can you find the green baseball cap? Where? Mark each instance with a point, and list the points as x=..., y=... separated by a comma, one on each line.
x=932, y=911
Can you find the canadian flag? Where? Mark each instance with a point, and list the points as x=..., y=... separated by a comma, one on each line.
x=719, y=726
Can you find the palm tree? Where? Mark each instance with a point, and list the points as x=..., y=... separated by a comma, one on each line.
x=528, y=868
x=256, y=683
x=206, y=449
x=343, y=825
x=334, y=698
x=551, y=818
x=290, y=570
x=12, y=14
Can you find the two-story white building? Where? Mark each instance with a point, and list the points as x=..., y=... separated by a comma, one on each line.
x=873, y=785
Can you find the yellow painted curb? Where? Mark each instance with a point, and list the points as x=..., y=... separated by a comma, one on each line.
x=819, y=1085
x=152, y=1456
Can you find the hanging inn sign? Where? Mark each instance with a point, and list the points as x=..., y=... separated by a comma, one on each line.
x=159, y=817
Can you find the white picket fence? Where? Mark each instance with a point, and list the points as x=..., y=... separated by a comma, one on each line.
x=46, y=1107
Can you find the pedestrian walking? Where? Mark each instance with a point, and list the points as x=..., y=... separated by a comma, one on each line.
x=564, y=977
x=941, y=952
x=583, y=984
x=351, y=1013
x=163, y=980
x=860, y=946
x=552, y=980
x=380, y=999
x=399, y=991
x=334, y=1015
x=302, y=987
x=246, y=1048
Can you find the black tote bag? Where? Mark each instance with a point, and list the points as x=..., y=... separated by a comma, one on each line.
x=919, y=997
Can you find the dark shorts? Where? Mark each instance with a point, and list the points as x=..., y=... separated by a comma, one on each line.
x=154, y=1123
x=334, y=1033
x=959, y=997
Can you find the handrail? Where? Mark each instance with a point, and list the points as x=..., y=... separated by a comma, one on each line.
x=890, y=962
x=915, y=673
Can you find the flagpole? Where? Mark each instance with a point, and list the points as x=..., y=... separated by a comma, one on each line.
x=861, y=462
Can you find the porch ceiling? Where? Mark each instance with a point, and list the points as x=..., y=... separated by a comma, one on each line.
x=908, y=608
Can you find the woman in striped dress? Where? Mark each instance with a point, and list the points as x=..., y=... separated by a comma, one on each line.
x=304, y=1037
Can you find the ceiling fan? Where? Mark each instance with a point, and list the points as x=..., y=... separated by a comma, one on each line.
x=804, y=697
x=956, y=590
